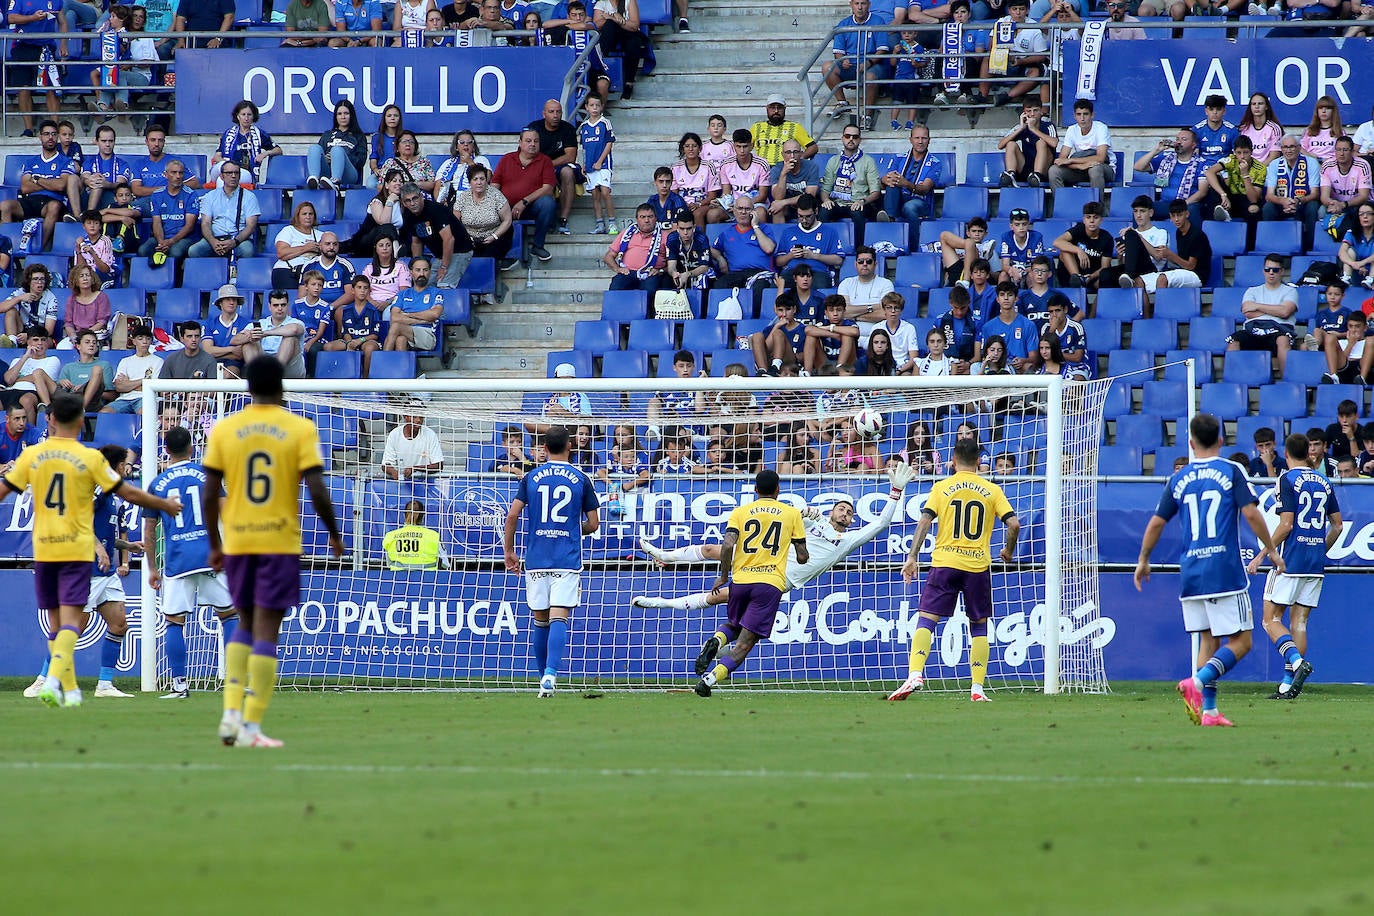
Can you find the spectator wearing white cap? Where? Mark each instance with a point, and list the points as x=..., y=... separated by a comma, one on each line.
x=412, y=446
x=562, y=406
x=771, y=134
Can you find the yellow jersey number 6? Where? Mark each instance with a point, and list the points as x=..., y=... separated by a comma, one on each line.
x=259, y=489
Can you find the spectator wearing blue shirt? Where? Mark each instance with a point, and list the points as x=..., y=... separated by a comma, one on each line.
x=1019, y=247
x=909, y=191
x=1331, y=321
x=150, y=172
x=1216, y=136
x=743, y=251
x=1180, y=174
x=228, y=218
x=809, y=241
x=204, y=16
x=1356, y=253
x=176, y=213
x=857, y=50
x=415, y=311
x=359, y=324
x=667, y=204
x=316, y=314
x=34, y=19
x=356, y=16
x=1016, y=330
x=220, y=331
x=338, y=272
x=17, y=435
x=47, y=185
x=960, y=328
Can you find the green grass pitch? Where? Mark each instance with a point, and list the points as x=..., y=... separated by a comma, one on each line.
x=668, y=803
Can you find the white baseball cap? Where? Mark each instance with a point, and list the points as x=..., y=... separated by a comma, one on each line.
x=777, y=99
x=565, y=370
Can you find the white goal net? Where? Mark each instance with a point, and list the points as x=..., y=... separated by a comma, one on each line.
x=670, y=458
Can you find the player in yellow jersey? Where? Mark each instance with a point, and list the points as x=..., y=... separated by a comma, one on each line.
x=753, y=559
x=963, y=507
x=64, y=474
x=258, y=458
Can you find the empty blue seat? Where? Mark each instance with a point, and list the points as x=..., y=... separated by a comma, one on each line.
x=1121, y=304
x=207, y=274
x=1202, y=365
x=1119, y=461
x=392, y=364
x=919, y=271
x=457, y=306
x=624, y=305
x=324, y=200
x=255, y=274
x=983, y=170
x=1249, y=271
x=580, y=360
x=1246, y=427
x=64, y=237
x=1178, y=303
x=1165, y=398
x=355, y=203
x=1032, y=200
x=181, y=304
x=705, y=334
x=1306, y=367
x=1209, y=333
x=965, y=203
x=127, y=300
x=1143, y=431
x=1103, y=334
x=625, y=364
x=893, y=233
x=1068, y=202
x=271, y=204
x=1226, y=302
x=1118, y=401
x=1283, y=399
x=1228, y=239
x=649, y=334
x=284, y=172
x=1154, y=335
x=144, y=275
x=1165, y=457
x=480, y=276
x=1131, y=362
x=343, y=364
x=596, y=336
x=1227, y=400
x=1248, y=367
x=116, y=429
x=1279, y=237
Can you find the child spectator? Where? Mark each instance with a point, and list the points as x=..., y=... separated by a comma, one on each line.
x=961, y=331
x=597, y=139
x=910, y=57
x=851, y=451
x=120, y=223
x=1365, y=459
x=1085, y=251
x=1350, y=360
x=1331, y=320
x=677, y=457
x=877, y=360
x=359, y=324
x=799, y=456
x=982, y=292
x=95, y=250
x=1018, y=333
x=959, y=253
x=1317, y=459
x=313, y=312
x=667, y=204
x=781, y=342
x=1004, y=464
x=920, y=452
x=1019, y=247
x=1343, y=436
x=967, y=431
x=835, y=338
x=513, y=461
x=934, y=364
x=905, y=348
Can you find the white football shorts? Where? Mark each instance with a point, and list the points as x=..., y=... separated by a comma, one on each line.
x=104, y=589
x=1222, y=615
x=184, y=594
x=546, y=588
x=1288, y=590
x=599, y=178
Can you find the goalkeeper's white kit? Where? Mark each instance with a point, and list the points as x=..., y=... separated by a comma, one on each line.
x=829, y=546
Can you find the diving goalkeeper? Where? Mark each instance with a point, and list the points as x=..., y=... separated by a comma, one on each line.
x=829, y=539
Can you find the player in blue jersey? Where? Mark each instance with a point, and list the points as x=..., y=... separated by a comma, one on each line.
x=1309, y=523
x=185, y=577
x=1214, y=591
x=563, y=508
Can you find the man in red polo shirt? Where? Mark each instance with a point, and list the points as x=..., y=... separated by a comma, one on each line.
x=637, y=255
x=525, y=177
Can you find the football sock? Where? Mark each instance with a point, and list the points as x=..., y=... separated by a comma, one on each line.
x=921, y=641
x=1287, y=681
x=539, y=643
x=978, y=654
x=692, y=553
x=684, y=603
x=1220, y=663
x=262, y=680
x=236, y=670
x=558, y=644
x=1289, y=650
x=723, y=670
x=229, y=626
x=176, y=650
x=43, y=672
x=729, y=633
x=1209, y=698
x=64, y=658
x=110, y=647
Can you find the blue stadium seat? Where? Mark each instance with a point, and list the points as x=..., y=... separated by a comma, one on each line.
x=14, y=168
x=596, y=337
x=649, y=334
x=324, y=200
x=1164, y=398
x=146, y=276
x=205, y=274
x=1120, y=206
x=625, y=364
x=1209, y=333
x=723, y=359
x=937, y=301
x=965, y=203
x=1142, y=431
x=116, y=429
x=1324, y=245
x=1068, y=202
x=1306, y=367
x=624, y=305
x=271, y=203
x=1246, y=427
x=64, y=237
x=1329, y=398
x=1227, y=400
x=1248, y=367
x=931, y=229
x=1118, y=401
x=1202, y=365
x=1122, y=304
x=982, y=170
x=715, y=297
x=1226, y=302
x=355, y=203
x=895, y=233
x=255, y=274
x=480, y=276
x=1279, y=237
x=398, y=364
x=1164, y=459
x=920, y=271
x=1249, y=271
x=1228, y=239
x=1311, y=298
x=580, y=360
x=1119, y=461
x=1178, y=304
x=284, y=172
x=1103, y=334
x=1032, y=200
x=1154, y=335
x=181, y=304
x=1283, y=399
x=457, y=307
x=343, y=364
x=1134, y=362
x=705, y=334
x=127, y=300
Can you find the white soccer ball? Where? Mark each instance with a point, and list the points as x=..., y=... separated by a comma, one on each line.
x=869, y=423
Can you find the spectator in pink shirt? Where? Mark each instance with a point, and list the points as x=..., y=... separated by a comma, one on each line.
x=88, y=308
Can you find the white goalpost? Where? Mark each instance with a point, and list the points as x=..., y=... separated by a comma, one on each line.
x=363, y=625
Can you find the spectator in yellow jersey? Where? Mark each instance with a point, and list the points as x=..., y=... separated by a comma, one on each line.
x=771, y=134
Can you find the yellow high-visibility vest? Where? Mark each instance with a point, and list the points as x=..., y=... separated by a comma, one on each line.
x=412, y=547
